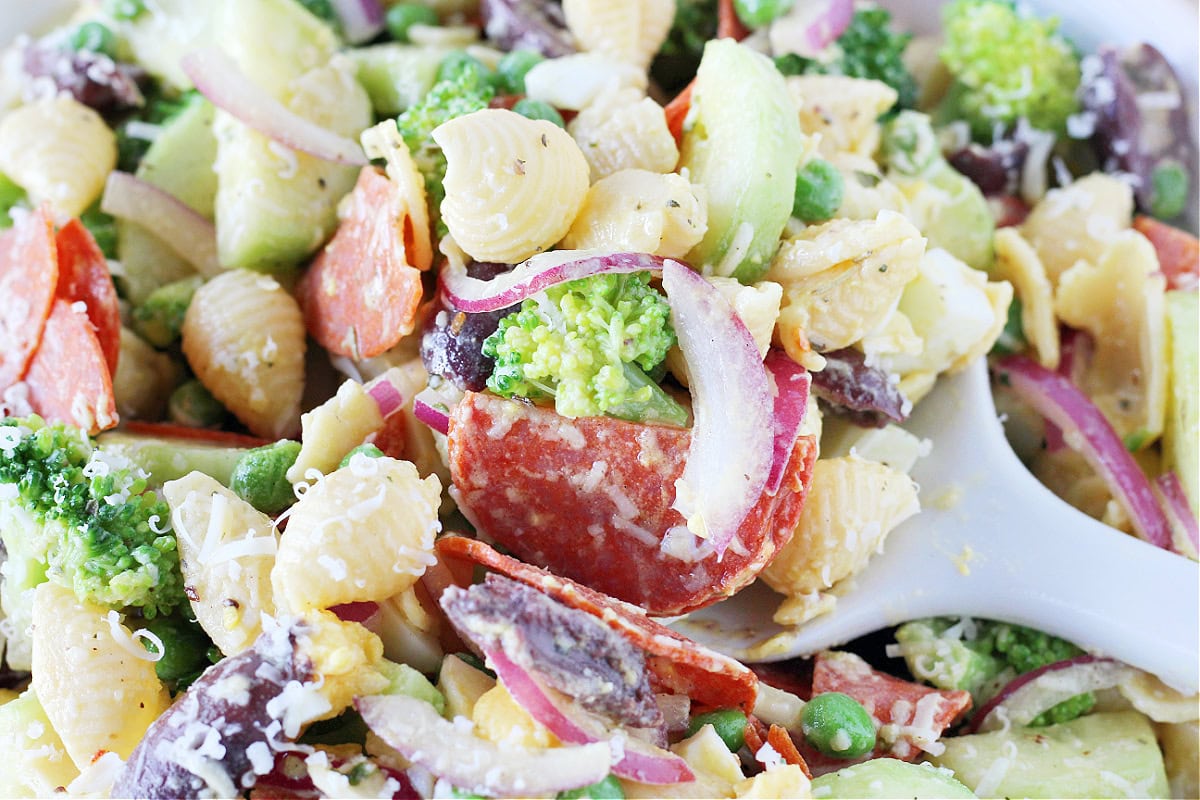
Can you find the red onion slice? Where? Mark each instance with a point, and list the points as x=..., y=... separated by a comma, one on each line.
x=791, y=384
x=730, y=456
x=451, y=751
x=219, y=79
x=1023, y=698
x=537, y=274
x=432, y=406
x=182, y=228
x=361, y=20
x=386, y=395
x=1085, y=429
x=811, y=26
x=1178, y=509
x=633, y=759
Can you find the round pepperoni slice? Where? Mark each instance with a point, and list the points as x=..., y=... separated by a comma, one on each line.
x=83, y=276
x=28, y=278
x=68, y=377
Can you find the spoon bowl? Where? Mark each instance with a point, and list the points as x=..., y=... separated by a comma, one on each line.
x=990, y=541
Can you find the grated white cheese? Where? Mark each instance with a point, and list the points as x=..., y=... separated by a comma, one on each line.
x=125, y=639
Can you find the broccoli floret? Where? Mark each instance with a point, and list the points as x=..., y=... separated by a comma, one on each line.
x=86, y=521
x=464, y=92
x=981, y=656
x=591, y=344
x=868, y=48
x=1006, y=66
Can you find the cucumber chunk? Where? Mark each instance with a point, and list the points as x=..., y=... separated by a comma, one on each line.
x=742, y=142
x=887, y=777
x=1181, y=437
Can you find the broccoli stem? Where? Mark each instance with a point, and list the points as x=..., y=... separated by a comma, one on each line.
x=659, y=408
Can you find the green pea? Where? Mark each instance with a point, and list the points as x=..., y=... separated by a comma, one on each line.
x=458, y=64
x=124, y=9
x=1170, y=182
x=512, y=69
x=260, y=476
x=607, y=789
x=193, y=405
x=536, y=109
x=838, y=725
x=93, y=37
x=758, y=13
x=403, y=16
x=368, y=450
x=729, y=723
x=819, y=190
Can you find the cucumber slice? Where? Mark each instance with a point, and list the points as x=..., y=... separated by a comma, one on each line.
x=742, y=142
x=887, y=777
x=397, y=76
x=170, y=28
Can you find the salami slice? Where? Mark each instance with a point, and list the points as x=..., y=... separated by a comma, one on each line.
x=909, y=717
x=676, y=663
x=83, y=276
x=68, y=377
x=28, y=277
x=166, y=430
x=590, y=499
x=1178, y=252
x=361, y=295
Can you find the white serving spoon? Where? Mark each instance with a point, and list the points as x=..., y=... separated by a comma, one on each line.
x=991, y=541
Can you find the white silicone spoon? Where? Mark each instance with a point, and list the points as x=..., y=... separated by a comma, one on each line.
x=991, y=541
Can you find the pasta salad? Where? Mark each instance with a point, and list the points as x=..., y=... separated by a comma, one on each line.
x=378, y=380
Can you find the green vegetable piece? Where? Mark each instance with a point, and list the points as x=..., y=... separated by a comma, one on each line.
x=743, y=145
x=459, y=65
x=838, y=725
x=402, y=16
x=193, y=405
x=260, y=477
x=512, y=69
x=1087, y=757
x=1181, y=435
x=103, y=229
x=1171, y=184
x=819, y=191
x=11, y=196
x=475, y=661
x=760, y=13
x=159, y=320
x=346, y=728
x=910, y=145
x=607, y=329
x=871, y=49
x=1012, y=338
x=537, y=109
x=396, y=76
x=790, y=64
x=185, y=650
x=886, y=778
x=169, y=459
x=368, y=450
x=321, y=9
x=101, y=533
x=405, y=680
x=93, y=37
x=463, y=794
x=125, y=10
x=607, y=789
x=947, y=660
x=729, y=723
x=1007, y=65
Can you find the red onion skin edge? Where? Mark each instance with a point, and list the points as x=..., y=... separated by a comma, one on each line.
x=438, y=420
x=666, y=769
x=695, y=303
x=1015, y=684
x=1061, y=403
x=792, y=383
x=528, y=279
x=361, y=20
x=1177, y=507
x=831, y=24
x=122, y=185
x=386, y=396
x=220, y=80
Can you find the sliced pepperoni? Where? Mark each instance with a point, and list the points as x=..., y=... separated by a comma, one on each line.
x=677, y=110
x=678, y=664
x=165, y=430
x=392, y=436
x=361, y=295
x=68, y=377
x=729, y=25
x=28, y=278
x=907, y=714
x=781, y=742
x=83, y=276
x=590, y=499
x=793, y=675
x=1178, y=252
